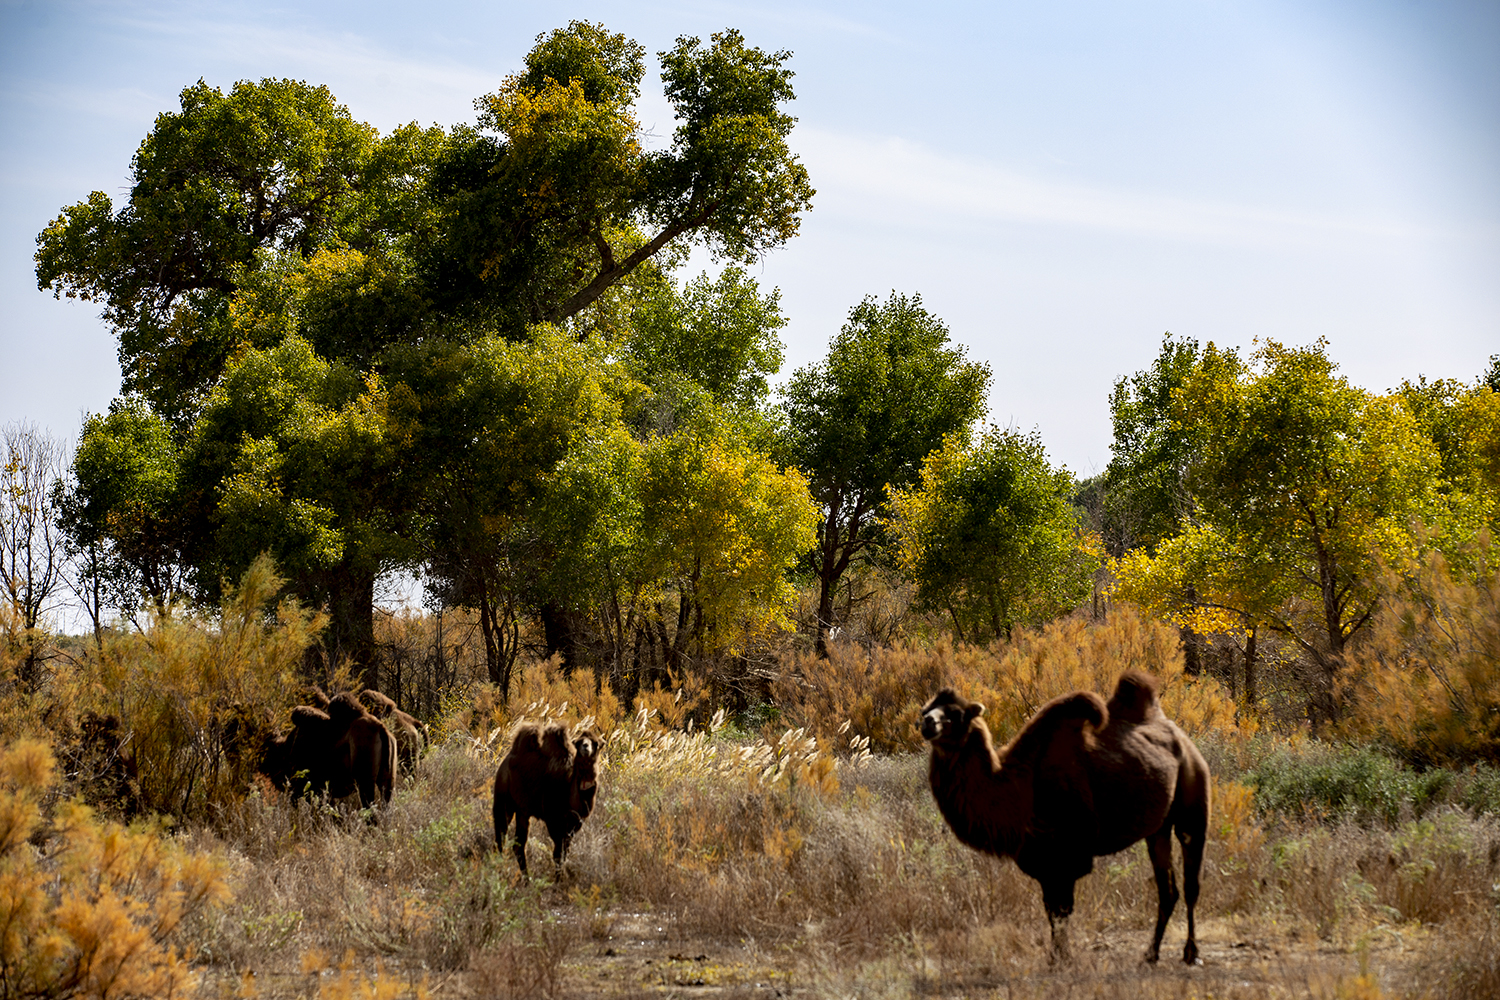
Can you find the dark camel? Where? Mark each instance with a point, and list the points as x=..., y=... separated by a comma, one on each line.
x=549, y=774
x=1082, y=780
x=408, y=731
x=341, y=750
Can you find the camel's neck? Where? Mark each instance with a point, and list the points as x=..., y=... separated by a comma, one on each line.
x=987, y=803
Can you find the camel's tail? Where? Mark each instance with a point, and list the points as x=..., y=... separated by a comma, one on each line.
x=1135, y=698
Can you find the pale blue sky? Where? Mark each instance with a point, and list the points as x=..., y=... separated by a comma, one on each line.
x=1062, y=182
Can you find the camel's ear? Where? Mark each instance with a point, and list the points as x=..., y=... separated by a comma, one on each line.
x=973, y=712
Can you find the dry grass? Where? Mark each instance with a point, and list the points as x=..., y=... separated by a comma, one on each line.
x=717, y=866
x=729, y=859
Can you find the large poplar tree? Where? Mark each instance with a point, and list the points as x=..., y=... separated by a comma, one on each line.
x=267, y=230
x=1303, y=487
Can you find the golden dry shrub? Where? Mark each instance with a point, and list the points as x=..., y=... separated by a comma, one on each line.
x=880, y=691
x=1427, y=678
x=20, y=709
x=88, y=908
x=1080, y=654
x=481, y=720
x=191, y=691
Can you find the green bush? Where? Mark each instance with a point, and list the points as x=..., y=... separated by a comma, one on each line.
x=1478, y=789
x=1358, y=783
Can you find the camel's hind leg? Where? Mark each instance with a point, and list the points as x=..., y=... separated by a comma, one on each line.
x=1192, y=865
x=366, y=785
x=1159, y=844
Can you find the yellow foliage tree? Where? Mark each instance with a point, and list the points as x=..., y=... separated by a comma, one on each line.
x=1308, y=484
x=721, y=525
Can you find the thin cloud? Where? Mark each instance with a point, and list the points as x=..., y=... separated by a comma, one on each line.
x=415, y=87
x=116, y=104
x=913, y=181
x=802, y=18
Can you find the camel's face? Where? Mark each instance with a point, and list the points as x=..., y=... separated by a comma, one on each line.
x=585, y=784
x=946, y=718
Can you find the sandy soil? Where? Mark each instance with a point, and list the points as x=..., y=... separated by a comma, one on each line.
x=636, y=955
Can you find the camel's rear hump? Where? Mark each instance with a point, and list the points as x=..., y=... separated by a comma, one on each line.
x=1135, y=698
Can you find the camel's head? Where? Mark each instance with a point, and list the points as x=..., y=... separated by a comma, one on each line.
x=343, y=708
x=377, y=704
x=946, y=719
x=585, y=784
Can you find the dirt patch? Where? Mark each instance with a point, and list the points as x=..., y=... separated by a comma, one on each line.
x=641, y=956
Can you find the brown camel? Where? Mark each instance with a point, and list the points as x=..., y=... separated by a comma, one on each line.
x=1082, y=780
x=549, y=774
x=342, y=750
x=408, y=732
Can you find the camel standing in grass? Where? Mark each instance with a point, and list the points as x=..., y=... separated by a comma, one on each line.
x=1082, y=780
x=407, y=731
x=551, y=775
x=339, y=748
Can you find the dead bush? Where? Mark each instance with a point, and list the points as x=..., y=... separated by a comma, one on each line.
x=881, y=690
x=1427, y=679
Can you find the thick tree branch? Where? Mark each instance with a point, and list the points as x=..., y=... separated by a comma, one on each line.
x=611, y=273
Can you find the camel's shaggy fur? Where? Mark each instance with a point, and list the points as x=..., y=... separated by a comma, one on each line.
x=341, y=750
x=1081, y=780
x=552, y=775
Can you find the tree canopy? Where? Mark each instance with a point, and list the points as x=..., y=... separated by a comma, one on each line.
x=1302, y=485
x=990, y=535
x=1145, y=496
x=228, y=183
x=553, y=197
x=891, y=390
x=322, y=328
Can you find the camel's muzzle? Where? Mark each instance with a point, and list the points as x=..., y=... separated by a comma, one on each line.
x=930, y=726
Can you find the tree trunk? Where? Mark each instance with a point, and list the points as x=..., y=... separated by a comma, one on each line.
x=560, y=633
x=828, y=575
x=839, y=540
x=1192, y=664
x=1251, y=692
x=351, y=622
x=825, y=616
x=489, y=629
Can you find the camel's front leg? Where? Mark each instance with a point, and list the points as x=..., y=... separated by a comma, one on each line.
x=1057, y=897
